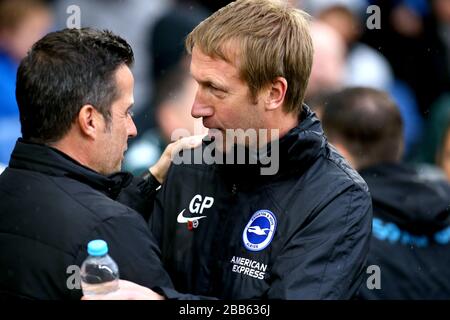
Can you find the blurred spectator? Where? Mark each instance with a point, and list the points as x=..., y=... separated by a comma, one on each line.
x=435, y=148
x=327, y=73
x=176, y=94
x=365, y=66
x=411, y=38
x=443, y=157
x=406, y=102
x=130, y=19
x=411, y=224
x=441, y=8
x=166, y=51
x=22, y=23
x=318, y=102
x=174, y=89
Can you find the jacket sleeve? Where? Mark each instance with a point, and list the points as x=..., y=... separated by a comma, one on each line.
x=134, y=249
x=325, y=259
x=140, y=194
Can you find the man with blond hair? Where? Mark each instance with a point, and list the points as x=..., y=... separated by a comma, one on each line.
x=230, y=229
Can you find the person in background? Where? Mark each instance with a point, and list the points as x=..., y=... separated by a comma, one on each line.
x=327, y=73
x=366, y=66
x=21, y=24
x=435, y=146
x=414, y=38
x=411, y=225
x=174, y=98
x=174, y=89
x=443, y=155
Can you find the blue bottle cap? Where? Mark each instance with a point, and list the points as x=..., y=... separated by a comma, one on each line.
x=97, y=248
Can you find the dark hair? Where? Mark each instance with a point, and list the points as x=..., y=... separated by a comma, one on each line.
x=64, y=71
x=367, y=122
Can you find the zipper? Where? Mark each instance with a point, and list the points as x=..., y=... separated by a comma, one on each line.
x=215, y=286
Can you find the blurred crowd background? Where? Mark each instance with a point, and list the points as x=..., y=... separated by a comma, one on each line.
x=407, y=55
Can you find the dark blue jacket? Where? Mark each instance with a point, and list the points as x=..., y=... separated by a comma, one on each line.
x=411, y=234
x=50, y=208
x=229, y=232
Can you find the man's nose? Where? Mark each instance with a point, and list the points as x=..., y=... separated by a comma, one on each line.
x=201, y=107
x=132, y=130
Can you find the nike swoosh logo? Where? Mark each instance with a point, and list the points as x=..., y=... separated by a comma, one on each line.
x=183, y=219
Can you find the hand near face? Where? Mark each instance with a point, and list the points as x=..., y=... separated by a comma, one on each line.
x=127, y=291
x=160, y=169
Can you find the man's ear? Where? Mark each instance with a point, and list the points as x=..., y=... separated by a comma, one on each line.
x=90, y=121
x=277, y=92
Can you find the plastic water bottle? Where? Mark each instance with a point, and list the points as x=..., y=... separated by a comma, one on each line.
x=99, y=273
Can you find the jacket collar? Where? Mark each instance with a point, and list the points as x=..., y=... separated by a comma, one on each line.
x=47, y=160
x=298, y=150
x=303, y=144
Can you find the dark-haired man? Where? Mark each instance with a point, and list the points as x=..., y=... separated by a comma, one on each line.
x=75, y=94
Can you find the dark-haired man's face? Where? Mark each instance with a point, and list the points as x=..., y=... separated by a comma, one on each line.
x=113, y=142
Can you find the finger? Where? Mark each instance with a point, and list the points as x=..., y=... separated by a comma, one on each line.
x=186, y=143
x=190, y=142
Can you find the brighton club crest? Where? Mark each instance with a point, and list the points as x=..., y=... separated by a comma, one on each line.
x=259, y=231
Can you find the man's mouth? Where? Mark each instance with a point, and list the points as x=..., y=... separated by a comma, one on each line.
x=208, y=123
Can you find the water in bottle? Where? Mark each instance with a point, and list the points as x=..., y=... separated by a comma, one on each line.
x=99, y=272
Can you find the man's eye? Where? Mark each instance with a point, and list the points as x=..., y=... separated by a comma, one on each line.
x=130, y=113
x=216, y=90
x=211, y=86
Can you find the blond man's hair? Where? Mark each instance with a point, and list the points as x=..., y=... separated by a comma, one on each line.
x=272, y=40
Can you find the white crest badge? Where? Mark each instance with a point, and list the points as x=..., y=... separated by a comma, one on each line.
x=258, y=233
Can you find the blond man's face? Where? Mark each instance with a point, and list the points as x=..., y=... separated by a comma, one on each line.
x=223, y=99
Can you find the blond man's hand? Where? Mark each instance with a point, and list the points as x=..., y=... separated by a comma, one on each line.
x=160, y=169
